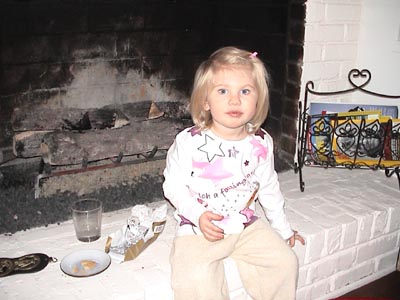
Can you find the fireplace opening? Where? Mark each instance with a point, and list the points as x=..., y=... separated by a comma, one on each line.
x=72, y=63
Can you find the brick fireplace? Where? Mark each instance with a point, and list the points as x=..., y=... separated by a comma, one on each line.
x=64, y=56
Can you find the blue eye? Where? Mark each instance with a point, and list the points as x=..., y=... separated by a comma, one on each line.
x=245, y=91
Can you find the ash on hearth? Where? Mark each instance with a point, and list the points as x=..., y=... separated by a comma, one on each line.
x=19, y=210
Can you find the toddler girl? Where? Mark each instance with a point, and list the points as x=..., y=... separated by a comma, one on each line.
x=215, y=170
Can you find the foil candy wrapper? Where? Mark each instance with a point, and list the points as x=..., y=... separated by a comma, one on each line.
x=139, y=226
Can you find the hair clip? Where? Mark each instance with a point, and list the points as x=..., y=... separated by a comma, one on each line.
x=254, y=54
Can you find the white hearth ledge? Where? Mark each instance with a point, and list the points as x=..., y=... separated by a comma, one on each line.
x=349, y=218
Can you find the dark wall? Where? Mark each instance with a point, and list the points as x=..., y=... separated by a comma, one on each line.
x=98, y=52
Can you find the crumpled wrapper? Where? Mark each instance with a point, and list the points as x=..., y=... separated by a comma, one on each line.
x=141, y=229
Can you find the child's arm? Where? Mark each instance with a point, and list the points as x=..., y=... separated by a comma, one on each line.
x=176, y=182
x=270, y=195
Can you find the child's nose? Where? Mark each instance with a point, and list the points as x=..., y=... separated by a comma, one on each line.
x=234, y=99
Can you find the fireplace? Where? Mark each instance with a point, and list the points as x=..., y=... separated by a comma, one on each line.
x=90, y=55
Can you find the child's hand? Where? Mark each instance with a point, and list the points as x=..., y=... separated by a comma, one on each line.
x=294, y=237
x=210, y=231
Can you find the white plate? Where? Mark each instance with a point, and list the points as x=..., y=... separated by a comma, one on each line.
x=85, y=263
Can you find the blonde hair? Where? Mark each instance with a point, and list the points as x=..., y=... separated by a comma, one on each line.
x=229, y=57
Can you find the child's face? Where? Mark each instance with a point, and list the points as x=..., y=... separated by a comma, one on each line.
x=232, y=101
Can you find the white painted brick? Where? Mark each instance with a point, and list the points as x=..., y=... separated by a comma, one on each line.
x=315, y=12
x=331, y=71
x=394, y=218
x=162, y=252
x=353, y=207
x=322, y=269
x=312, y=214
x=312, y=34
x=340, y=51
x=380, y=215
x=317, y=201
x=158, y=291
x=333, y=238
x=332, y=32
x=325, y=32
x=313, y=53
x=129, y=296
x=311, y=232
x=128, y=287
x=149, y=276
x=321, y=288
x=345, y=66
x=365, y=201
x=315, y=243
x=380, y=223
x=327, y=240
x=364, y=228
x=352, y=275
x=298, y=222
x=349, y=230
x=343, y=12
x=314, y=247
x=304, y=293
x=302, y=279
x=351, y=33
x=333, y=86
x=323, y=14
x=376, y=247
x=329, y=209
x=388, y=260
x=346, y=259
x=316, y=189
x=387, y=186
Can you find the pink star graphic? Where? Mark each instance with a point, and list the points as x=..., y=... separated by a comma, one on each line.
x=215, y=171
x=194, y=131
x=248, y=213
x=260, y=150
x=199, y=164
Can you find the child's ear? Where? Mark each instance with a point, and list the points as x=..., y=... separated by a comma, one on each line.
x=206, y=106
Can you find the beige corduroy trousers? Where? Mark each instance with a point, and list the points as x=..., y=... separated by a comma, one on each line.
x=268, y=267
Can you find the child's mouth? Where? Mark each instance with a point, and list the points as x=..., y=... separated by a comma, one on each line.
x=234, y=114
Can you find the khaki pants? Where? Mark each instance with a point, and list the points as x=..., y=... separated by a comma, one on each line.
x=267, y=265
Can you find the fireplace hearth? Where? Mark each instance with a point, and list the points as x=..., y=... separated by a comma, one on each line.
x=86, y=55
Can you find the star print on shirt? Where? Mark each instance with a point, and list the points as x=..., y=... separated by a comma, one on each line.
x=260, y=150
x=248, y=213
x=212, y=148
x=199, y=164
x=215, y=172
x=185, y=221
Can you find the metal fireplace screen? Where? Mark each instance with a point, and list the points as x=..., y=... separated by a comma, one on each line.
x=354, y=139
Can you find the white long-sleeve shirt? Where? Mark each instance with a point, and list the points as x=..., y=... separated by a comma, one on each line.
x=204, y=172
